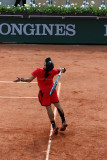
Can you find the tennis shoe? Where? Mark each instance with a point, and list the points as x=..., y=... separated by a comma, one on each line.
x=55, y=130
x=64, y=125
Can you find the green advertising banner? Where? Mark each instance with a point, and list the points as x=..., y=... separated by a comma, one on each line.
x=53, y=30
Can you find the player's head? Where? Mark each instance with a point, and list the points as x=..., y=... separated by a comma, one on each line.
x=48, y=64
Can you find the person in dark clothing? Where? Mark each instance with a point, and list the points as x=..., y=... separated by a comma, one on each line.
x=18, y=2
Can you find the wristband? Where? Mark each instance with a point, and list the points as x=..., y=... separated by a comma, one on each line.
x=22, y=79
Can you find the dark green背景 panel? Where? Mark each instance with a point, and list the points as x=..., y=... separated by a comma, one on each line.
x=53, y=30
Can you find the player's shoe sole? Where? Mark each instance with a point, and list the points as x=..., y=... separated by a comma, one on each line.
x=55, y=130
x=64, y=126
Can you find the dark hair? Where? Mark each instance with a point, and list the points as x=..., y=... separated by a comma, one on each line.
x=49, y=66
x=48, y=59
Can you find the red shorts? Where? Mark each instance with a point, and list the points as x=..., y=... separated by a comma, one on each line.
x=46, y=99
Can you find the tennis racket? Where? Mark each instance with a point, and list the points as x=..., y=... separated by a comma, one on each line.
x=55, y=84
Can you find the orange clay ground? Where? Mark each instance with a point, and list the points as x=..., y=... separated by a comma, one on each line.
x=24, y=124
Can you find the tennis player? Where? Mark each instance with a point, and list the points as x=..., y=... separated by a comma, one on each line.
x=45, y=77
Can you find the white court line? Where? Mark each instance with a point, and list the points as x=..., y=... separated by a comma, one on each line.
x=58, y=92
x=15, y=82
x=16, y=97
x=49, y=142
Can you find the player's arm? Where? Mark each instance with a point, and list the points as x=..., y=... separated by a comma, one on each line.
x=31, y=78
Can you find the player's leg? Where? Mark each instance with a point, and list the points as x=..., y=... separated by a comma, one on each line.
x=51, y=117
x=61, y=113
x=50, y=113
x=24, y=2
x=16, y=3
x=44, y=99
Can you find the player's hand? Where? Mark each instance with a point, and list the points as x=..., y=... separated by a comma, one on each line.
x=63, y=70
x=17, y=80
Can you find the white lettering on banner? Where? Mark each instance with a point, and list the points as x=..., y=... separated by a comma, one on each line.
x=105, y=30
x=60, y=29
x=46, y=28
x=8, y=28
x=37, y=29
x=30, y=29
x=16, y=28
x=69, y=29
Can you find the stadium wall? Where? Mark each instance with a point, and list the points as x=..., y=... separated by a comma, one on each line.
x=53, y=30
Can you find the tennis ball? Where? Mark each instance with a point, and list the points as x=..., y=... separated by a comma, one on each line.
x=26, y=6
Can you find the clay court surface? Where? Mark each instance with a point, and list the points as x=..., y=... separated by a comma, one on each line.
x=24, y=124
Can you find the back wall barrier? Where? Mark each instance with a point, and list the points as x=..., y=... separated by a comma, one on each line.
x=53, y=29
